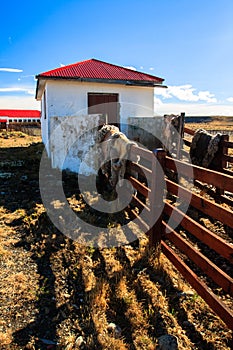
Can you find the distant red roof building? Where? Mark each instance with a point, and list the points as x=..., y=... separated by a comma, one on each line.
x=16, y=114
x=19, y=113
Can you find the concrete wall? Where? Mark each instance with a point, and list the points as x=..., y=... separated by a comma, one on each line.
x=71, y=140
x=146, y=130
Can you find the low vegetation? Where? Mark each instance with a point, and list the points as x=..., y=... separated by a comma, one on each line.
x=58, y=294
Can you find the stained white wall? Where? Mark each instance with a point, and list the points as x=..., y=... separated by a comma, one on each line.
x=71, y=143
x=148, y=131
x=63, y=98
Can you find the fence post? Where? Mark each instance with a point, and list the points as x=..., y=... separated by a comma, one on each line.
x=156, y=197
x=224, y=150
x=222, y=163
x=180, y=136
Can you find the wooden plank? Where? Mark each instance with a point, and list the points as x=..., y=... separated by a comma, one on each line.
x=142, y=170
x=212, y=193
x=228, y=158
x=228, y=172
x=210, y=298
x=228, y=144
x=185, y=153
x=139, y=186
x=142, y=152
x=140, y=222
x=141, y=206
x=213, y=271
x=156, y=197
x=187, y=142
x=189, y=131
x=219, y=180
x=203, y=234
x=212, y=209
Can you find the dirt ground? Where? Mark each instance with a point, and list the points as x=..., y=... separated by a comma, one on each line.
x=58, y=294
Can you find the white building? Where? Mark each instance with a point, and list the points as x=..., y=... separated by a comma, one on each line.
x=76, y=97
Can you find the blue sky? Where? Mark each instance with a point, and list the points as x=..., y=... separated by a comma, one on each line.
x=189, y=43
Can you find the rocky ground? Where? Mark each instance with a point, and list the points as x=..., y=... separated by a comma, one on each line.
x=58, y=294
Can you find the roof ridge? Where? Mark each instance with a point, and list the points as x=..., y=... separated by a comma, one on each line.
x=121, y=67
x=62, y=67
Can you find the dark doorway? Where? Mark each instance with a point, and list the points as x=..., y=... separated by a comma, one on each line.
x=106, y=104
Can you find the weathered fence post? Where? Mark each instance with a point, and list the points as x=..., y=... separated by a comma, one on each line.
x=224, y=151
x=156, y=197
x=181, y=135
x=221, y=160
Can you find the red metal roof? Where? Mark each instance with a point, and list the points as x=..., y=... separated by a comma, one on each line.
x=99, y=70
x=19, y=113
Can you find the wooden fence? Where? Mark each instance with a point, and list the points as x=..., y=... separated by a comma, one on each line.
x=223, y=155
x=171, y=225
x=223, y=163
x=29, y=128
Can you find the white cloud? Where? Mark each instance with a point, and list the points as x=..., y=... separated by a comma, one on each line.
x=11, y=70
x=193, y=109
x=30, y=91
x=130, y=67
x=230, y=99
x=206, y=96
x=185, y=93
x=151, y=68
x=30, y=76
x=16, y=102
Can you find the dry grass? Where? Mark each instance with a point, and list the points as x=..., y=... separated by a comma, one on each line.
x=217, y=123
x=57, y=291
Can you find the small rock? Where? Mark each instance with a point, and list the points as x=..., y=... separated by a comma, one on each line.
x=80, y=342
x=187, y=324
x=189, y=293
x=114, y=330
x=47, y=341
x=167, y=342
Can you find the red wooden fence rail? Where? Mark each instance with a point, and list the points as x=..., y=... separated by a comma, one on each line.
x=154, y=190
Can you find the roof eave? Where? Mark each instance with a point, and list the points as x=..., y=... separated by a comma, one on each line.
x=40, y=88
x=146, y=83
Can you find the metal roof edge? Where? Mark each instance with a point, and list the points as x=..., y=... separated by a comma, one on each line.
x=107, y=81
